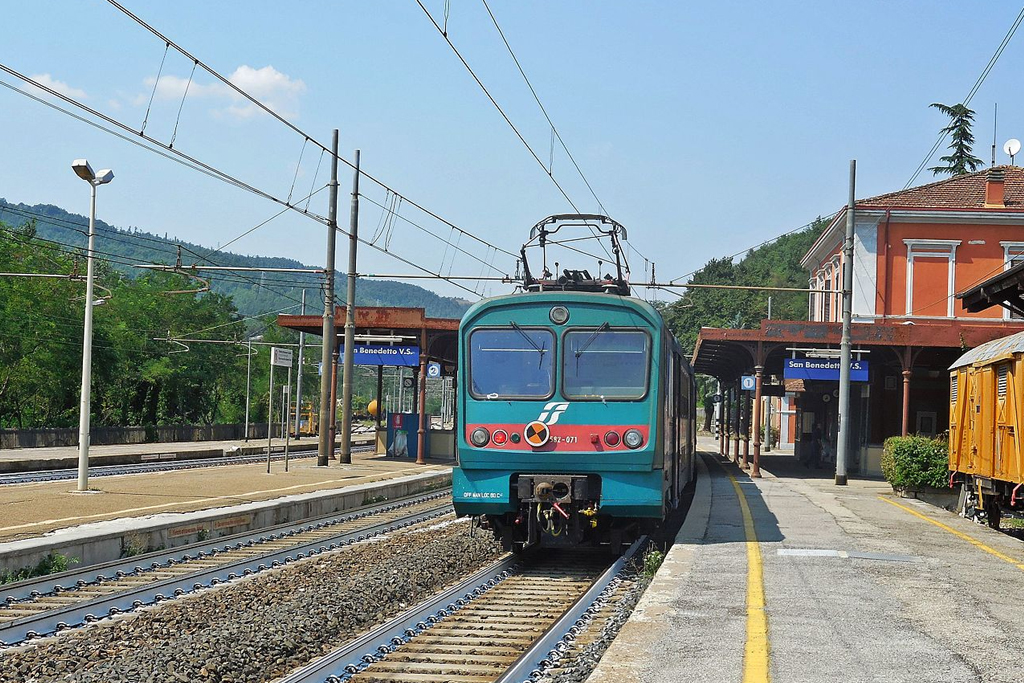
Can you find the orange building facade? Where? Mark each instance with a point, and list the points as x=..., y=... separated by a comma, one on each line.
x=915, y=250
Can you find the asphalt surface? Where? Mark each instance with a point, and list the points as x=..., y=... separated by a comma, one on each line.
x=856, y=589
x=33, y=509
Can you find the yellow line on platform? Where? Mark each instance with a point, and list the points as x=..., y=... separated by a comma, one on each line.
x=959, y=534
x=149, y=508
x=755, y=653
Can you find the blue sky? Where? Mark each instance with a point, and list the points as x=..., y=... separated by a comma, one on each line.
x=705, y=128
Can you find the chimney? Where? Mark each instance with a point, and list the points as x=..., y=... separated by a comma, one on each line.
x=995, y=189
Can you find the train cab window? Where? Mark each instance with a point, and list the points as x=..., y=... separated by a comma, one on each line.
x=512, y=362
x=605, y=364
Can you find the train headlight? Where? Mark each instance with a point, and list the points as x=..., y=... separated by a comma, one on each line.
x=611, y=439
x=500, y=437
x=559, y=315
x=479, y=437
x=633, y=438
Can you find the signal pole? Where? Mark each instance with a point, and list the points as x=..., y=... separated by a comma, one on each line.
x=326, y=446
x=298, y=383
x=843, y=439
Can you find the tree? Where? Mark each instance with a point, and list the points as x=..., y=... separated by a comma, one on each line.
x=961, y=160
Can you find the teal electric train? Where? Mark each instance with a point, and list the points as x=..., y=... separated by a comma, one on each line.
x=576, y=408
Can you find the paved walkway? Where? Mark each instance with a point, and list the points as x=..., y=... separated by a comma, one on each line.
x=815, y=582
x=33, y=509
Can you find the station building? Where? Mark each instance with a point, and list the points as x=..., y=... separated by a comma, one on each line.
x=914, y=251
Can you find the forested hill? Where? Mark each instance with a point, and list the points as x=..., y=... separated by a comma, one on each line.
x=776, y=264
x=251, y=292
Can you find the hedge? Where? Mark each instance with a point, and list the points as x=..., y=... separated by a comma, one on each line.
x=915, y=461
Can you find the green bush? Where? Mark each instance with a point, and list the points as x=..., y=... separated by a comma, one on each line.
x=915, y=461
x=54, y=563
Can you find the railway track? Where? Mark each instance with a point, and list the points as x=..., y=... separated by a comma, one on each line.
x=38, y=476
x=54, y=603
x=503, y=624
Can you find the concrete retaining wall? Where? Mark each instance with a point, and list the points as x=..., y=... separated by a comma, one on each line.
x=100, y=542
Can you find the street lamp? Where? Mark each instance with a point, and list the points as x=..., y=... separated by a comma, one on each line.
x=248, y=381
x=84, y=171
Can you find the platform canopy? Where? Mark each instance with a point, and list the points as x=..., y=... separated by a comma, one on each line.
x=1005, y=289
x=437, y=338
x=729, y=353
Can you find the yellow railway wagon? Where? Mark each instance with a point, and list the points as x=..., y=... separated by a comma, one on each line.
x=986, y=425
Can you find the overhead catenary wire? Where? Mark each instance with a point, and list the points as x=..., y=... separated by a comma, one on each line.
x=536, y=97
x=270, y=112
x=153, y=145
x=505, y=116
x=974, y=91
x=805, y=226
x=189, y=161
x=217, y=173
x=118, y=260
x=393, y=213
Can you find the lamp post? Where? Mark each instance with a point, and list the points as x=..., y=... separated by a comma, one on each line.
x=248, y=381
x=85, y=172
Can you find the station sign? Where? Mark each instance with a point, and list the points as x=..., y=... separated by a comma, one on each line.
x=824, y=369
x=368, y=354
x=281, y=357
x=748, y=382
x=433, y=369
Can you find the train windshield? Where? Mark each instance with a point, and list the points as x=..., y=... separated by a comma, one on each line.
x=605, y=364
x=513, y=362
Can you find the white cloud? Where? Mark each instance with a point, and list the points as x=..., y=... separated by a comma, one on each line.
x=59, y=86
x=268, y=85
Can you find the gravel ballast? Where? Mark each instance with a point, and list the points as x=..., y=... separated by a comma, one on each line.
x=258, y=629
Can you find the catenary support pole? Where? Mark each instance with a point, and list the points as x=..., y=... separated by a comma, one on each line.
x=843, y=438
x=345, y=453
x=298, y=379
x=326, y=444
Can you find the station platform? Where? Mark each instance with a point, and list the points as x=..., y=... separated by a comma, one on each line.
x=791, y=578
x=175, y=507
x=66, y=457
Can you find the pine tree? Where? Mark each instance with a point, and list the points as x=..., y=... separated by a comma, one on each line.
x=961, y=160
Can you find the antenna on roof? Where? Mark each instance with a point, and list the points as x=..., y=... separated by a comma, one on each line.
x=995, y=123
x=1011, y=147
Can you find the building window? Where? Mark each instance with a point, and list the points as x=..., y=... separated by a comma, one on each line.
x=1013, y=254
x=931, y=265
x=826, y=303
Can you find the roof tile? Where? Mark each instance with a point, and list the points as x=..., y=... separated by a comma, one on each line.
x=959, y=192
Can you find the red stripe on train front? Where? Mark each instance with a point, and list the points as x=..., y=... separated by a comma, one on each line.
x=561, y=438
